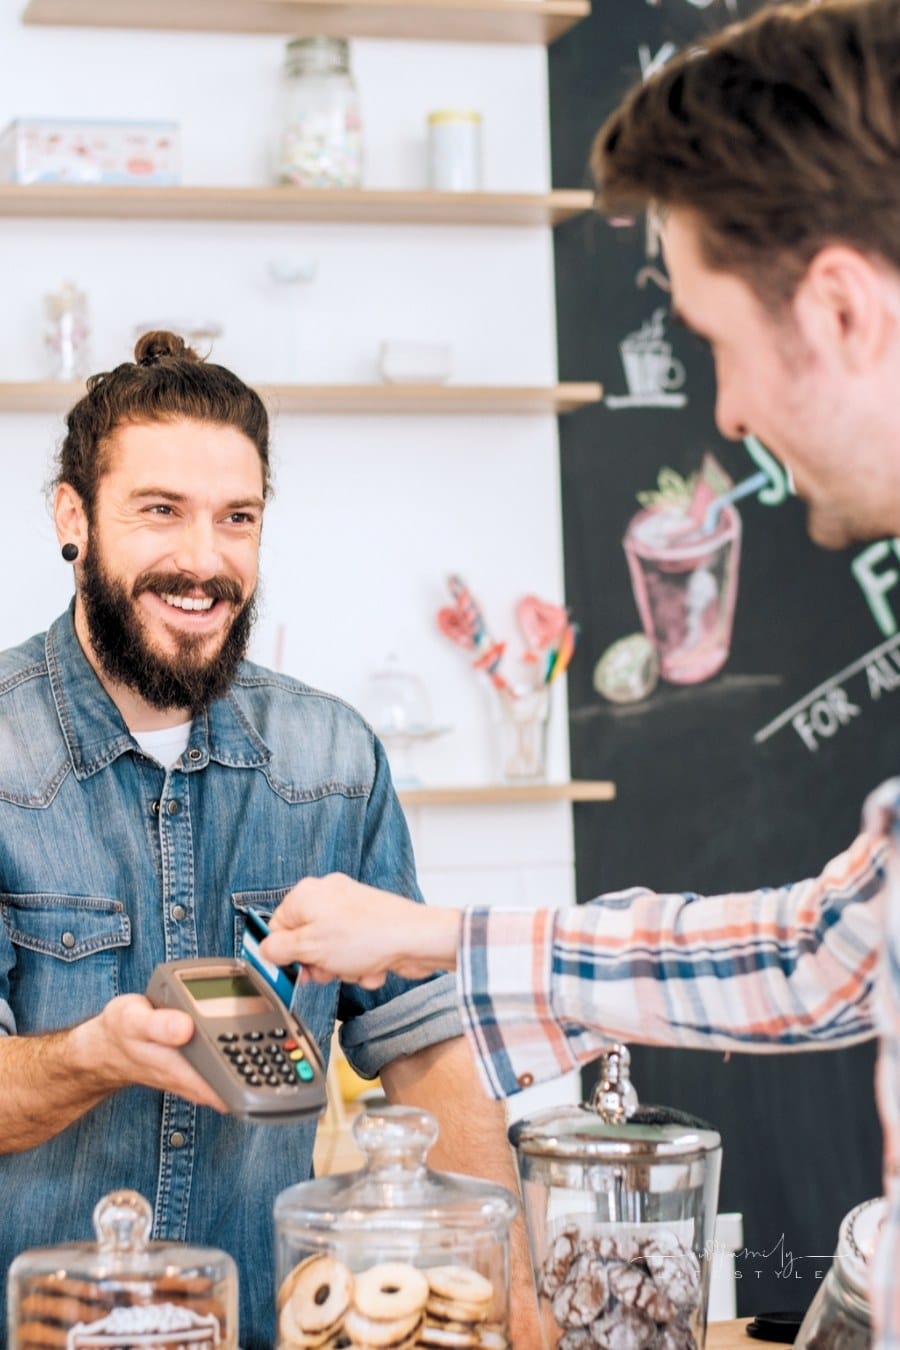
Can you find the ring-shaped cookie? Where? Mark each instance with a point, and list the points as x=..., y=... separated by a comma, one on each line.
x=460, y=1284
x=319, y=1294
x=390, y=1291
x=369, y=1331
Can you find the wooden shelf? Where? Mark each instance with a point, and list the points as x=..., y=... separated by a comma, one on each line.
x=534, y=21
x=43, y=396
x=354, y=206
x=502, y=794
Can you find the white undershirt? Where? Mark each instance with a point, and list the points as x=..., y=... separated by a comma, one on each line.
x=167, y=745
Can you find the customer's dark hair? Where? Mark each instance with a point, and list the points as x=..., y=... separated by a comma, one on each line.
x=782, y=134
x=166, y=381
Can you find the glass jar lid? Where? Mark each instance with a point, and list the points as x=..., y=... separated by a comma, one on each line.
x=578, y=1133
x=122, y=1222
x=395, y=1189
x=442, y=115
x=317, y=55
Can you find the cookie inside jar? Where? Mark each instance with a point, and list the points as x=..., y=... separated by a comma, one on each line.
x=621, y=1215
x=394, y=1255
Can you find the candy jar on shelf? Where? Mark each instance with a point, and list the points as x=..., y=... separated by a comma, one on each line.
x=67, y=333
x=321, y=136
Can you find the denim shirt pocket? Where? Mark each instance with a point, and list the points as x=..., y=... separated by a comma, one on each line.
x=264, y=902
x=65, y=962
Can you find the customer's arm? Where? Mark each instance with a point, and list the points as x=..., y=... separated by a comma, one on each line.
x=51, y=1080
x=770, y=970
x=545, y=991
x=443, y=1079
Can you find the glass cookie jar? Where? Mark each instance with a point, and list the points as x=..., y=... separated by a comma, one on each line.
x=394, y=1254
x=838, y=1317
x=124, y=1291
x=620, y=1204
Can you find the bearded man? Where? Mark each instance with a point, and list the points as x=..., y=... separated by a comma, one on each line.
x=154, y=786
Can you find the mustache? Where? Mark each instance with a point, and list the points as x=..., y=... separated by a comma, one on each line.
x=176, y=583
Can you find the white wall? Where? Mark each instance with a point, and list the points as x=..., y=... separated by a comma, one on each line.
x=370, y=514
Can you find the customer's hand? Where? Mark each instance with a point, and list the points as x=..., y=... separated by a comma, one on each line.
x=338, y=928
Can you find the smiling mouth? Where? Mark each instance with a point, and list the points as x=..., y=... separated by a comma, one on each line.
x=188, y=602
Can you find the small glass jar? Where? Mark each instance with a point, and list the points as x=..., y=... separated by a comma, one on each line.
x=838, y=1317
x=375, y=1257
x=521, y=717
x=454, y=150
x=620, y=1202
x=124, y=1290
x=67, y=334
x=321, y=139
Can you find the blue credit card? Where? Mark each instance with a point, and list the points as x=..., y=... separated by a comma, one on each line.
x=282, y=978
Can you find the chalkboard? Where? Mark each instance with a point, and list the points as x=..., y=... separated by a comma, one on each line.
x=749, y=761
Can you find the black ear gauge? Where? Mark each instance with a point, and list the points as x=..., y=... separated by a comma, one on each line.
x=69, y=552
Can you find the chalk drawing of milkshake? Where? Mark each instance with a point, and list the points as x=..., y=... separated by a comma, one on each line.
x=684, y=573
x=652, y=374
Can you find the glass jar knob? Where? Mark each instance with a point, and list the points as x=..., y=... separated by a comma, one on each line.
x=122, y=1221
x=395, y=1137
x=615, y=1098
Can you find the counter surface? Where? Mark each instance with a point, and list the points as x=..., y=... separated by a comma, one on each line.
x=731, y=1336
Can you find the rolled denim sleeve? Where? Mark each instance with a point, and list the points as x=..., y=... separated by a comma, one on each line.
x=421, y=1015
x=403, y=1016
x=7, y=961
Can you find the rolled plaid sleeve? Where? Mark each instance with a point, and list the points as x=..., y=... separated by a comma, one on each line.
x=770, y=970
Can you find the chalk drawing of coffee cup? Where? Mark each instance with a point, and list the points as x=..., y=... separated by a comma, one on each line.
x=652, y=374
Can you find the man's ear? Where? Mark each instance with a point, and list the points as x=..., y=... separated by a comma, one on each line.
x=70, y=517
x=849, y=302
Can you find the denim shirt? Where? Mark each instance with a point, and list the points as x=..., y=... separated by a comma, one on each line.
x=109, y=863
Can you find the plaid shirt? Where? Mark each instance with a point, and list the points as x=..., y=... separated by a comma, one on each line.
x=803, y=967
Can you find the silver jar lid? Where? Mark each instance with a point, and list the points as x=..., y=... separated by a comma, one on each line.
x=578, y=1133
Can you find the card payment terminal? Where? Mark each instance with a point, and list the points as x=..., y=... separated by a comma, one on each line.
x=257, y=1055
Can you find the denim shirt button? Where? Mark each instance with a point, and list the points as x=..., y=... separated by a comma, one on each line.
x=177, y=1139
x=68, y=940
x=194, y=755
x=154, y=807
x=178, y=912
x=173, y=808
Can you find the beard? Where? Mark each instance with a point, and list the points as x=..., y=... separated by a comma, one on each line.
x=185, y=680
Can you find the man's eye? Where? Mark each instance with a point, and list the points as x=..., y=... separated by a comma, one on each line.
x=242, y=518
x=160, y=509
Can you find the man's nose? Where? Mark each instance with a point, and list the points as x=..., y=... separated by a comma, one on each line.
x=197, y=551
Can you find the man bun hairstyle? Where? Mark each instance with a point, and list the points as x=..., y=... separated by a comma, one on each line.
x=166, y=382
x=781, y=134
x=154, y=346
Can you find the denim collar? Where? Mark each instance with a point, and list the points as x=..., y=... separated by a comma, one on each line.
x=94, y=730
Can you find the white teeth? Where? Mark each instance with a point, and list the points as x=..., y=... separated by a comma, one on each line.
x=187, y=602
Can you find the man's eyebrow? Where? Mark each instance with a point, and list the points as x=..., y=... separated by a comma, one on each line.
x=167, y=495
